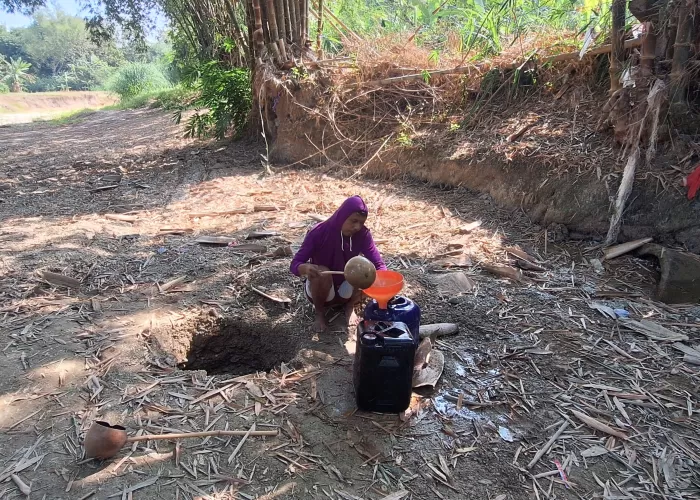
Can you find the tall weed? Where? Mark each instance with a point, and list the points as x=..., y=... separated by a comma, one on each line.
x=137, y=78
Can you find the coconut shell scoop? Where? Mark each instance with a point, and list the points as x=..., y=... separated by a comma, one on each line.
x=359, y=272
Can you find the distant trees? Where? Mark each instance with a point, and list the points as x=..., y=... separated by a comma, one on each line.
x=62, y=54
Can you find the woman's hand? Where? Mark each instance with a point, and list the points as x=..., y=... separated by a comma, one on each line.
x=310, y=271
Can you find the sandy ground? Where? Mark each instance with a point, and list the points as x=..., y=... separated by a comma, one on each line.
x=115, y=204
x=27, y=107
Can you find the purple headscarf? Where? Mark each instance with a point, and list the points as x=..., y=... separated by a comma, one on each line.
x=326, y=246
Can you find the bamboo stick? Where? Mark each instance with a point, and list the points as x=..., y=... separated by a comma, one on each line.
x=548, y=445
x=319, y=30
x=266, y=29
x=289, y=19
x=342, y=34
x=185, y=435
x=274, y=32
x=681, y=54
x=295, y=20
x=341, y=23
x=302, y=21
x=617, y=57
x=282, y=26
x=648, y=49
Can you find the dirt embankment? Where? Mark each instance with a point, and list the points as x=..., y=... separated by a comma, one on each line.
x=53, y=101
x=560, y=171
x=26, y=107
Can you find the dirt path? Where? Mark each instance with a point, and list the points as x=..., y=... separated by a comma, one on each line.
x=117, y=201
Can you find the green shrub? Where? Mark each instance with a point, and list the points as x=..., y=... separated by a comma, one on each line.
x=224, y=101
x=176, y=98
x=88, y=74
x=4, y=89
x=137, y=78
x=46, y=84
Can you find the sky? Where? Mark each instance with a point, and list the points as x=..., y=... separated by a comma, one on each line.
x=68, y=6
x=19, y=21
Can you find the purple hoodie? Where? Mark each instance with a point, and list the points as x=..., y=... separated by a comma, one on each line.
x=326, y=246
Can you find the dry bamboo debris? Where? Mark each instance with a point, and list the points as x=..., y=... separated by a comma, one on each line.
x=470, y=68
x=60, y=280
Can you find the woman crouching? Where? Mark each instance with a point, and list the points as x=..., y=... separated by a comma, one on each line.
x=328, y=247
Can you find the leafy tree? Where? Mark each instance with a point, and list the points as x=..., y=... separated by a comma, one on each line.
x=56, y=40
x=26, y=7
x=15, y=73
x=10, y=43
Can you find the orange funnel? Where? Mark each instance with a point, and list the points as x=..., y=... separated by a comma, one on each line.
x=385, y=287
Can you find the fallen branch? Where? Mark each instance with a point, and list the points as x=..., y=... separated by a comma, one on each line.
x=186, y=435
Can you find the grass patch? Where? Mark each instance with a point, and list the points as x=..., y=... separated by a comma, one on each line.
x=68, y=117
x=169, y=99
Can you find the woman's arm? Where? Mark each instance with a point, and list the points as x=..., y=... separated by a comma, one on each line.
x=370, y=251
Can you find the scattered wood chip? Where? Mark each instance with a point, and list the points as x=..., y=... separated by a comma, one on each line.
x=59, y=279
x=104, y=188
x=282, y=490
x=548, y=445
x=606, y=311
x=254, y=390
x=653, y=330
x=199, y=215
x=519, y=133
x=175, y=231
x=171, y=284
x=438, y=330
x=215, y=240
x=468, y=228
x=598, y=425
x=453, y=284
x=122, y=217
x=594, y=451
x=21, y=485
x=256, y=235
x=284, y=251
x=521, y=254
x=265, y=208
x=280, y=300
x=623, y=248
x=396, y=495
x=529, y=266
x=504, y=271
x=249, y=247
x=95, y=304
x=460, y=260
